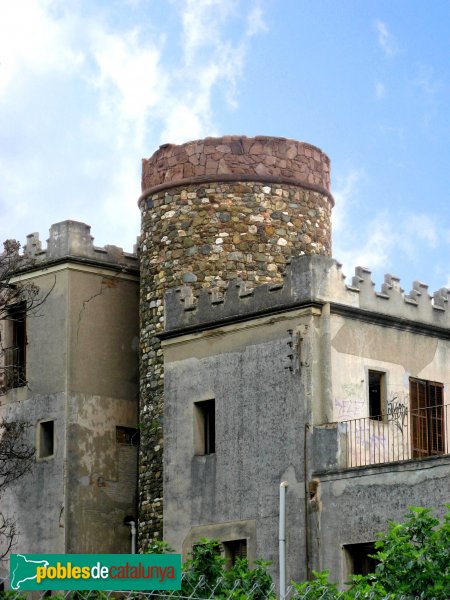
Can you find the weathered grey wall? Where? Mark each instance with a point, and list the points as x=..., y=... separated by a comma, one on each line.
x=354, y=505
x=82, y=372
x=102, y=474
x=103, y=323
x=36, y=501
x=217, y=349
x=261, y=410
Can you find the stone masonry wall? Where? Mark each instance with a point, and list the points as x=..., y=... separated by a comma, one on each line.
x=213, y=210
x=274, y=159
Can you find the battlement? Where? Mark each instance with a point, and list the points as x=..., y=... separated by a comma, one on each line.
x=72, y=239
x=308, y=280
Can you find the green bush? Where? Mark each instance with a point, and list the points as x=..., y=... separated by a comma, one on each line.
x=205, y=571
x=413, y=563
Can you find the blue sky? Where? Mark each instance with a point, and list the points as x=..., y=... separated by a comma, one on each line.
x=89, y=87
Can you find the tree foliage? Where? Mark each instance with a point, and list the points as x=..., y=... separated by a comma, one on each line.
x=207, y=572
x=413, y=563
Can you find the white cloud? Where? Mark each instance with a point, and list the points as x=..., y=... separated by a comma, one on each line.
x=427, y=81
x=185, y=122
x=385, y=240
x=84, y=98
x=32, y=41
x=345, y=191
x=130, y=80
x=421, y=229
x=386, y=40
x=211, y=60
x=202, y=21
x=255, y=22
x=370, y=248
x=380, y=90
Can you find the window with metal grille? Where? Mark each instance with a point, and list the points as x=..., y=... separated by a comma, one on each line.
x=205, y=427
x=12, y=348
x=234, y=549
x=427, y=418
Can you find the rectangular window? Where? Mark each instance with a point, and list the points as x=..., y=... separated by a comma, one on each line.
x=205, y=427
x=234, y=549
x=13, y=345
x=377, y=387
x=359, y=559
x=427, y=418
x=46, y=439
x=127, y=435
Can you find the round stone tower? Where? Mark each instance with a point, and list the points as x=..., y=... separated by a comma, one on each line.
x=213, y=210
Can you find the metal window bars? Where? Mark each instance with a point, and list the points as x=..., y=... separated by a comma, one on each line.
x=396, y=436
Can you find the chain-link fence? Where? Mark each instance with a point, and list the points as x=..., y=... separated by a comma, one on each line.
x=201, y=591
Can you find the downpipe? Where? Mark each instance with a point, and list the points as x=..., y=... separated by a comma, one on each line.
x=133, y=530
x=282, y=539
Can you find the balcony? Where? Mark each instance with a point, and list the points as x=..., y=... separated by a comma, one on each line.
x=402, y=434
x=12, y=368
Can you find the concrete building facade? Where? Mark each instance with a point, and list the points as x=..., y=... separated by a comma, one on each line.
x=78, y=392
x=258, y=364
x=213, y=210
x=263, y=365
x=331, y=387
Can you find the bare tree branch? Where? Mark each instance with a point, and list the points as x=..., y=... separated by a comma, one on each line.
x=16, y=459
x=27, y=293
x=17, y=300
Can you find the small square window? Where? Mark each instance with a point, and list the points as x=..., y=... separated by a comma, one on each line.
x=46, y=439
x=234, y=549
x=359, y=559
x=127, y=435
x=377, y=387
x=205, y=427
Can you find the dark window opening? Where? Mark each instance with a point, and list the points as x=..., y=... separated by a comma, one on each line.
x=127, y=435
x=234, y=549
x=427, y=418
x=46, y=443
x=376, y=395
x=359, y=559
x=13, y=346
x=205, y=427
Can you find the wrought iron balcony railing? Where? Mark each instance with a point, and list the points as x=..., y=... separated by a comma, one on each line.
x=12, y=369
x=397, y=436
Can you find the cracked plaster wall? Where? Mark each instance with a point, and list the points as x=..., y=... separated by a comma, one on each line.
x=82, y=367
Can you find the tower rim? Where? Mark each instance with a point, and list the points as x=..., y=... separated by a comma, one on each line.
x=235, y=178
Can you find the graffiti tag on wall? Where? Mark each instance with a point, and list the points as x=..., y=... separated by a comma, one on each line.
x=351, y=402
x=397, y=409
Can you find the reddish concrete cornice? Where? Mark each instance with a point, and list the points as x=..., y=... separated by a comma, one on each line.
x=237, y=158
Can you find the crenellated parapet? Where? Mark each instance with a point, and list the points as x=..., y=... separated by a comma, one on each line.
x=417, y=305
x=73, y=239
x=308, y=280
